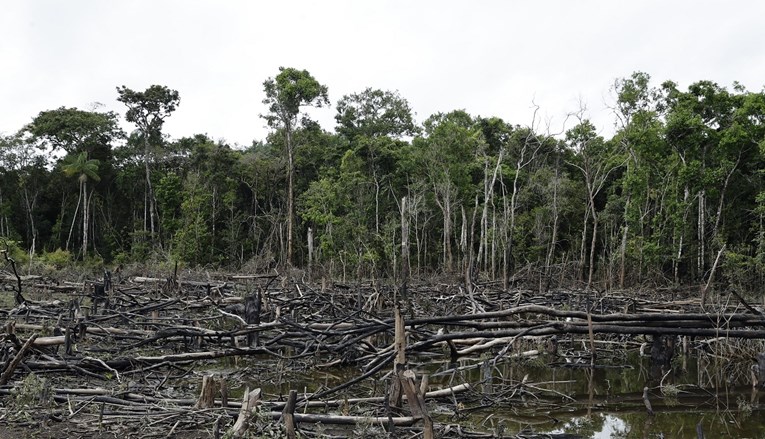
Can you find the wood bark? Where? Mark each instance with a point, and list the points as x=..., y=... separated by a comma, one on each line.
x=290, y=189
x=250, y=401
x=288, y=415
x=207, y=392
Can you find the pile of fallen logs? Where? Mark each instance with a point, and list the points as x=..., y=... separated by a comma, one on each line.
x=178, y=356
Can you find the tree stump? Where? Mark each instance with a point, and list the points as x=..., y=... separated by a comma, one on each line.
x=207, y=394
x=761, y=369
x=250, y=401
x=289, y=415
x=252, y=316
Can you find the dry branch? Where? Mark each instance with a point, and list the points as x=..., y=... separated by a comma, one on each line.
x=8, y=372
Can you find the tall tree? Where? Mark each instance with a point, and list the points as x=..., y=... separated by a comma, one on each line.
x=290, y=90
x=148, y=110
x=647, y=171
x=372, y=121
x=23, y=170
x=74, y=131
x=87, y=137
x=450, y=156
x=85, y=169
x=374, y=113
x=596, y=159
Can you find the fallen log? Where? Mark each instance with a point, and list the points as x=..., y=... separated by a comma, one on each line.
x=553, y=312
x=150, y=280
x=557, y=328
x=49, y=341
x=97, y=330
x=404, y=421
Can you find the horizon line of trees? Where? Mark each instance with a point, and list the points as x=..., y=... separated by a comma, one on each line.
x=674, y=195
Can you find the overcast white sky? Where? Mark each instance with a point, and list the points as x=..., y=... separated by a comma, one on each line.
x=491, y=58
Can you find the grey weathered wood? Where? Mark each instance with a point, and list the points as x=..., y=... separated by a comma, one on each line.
x=207, y=393
x=761, y=369
x=250, y=400
x=289, y=415
x=252, y=316
x=416, y=401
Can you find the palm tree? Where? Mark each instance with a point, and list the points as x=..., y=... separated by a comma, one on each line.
x=84, y=168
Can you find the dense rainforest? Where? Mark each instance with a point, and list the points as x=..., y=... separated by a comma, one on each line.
x=675, y=197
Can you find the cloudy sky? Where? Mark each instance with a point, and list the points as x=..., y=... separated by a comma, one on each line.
x=491, y=58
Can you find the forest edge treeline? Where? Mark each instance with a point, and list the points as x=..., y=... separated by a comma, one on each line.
x=677, y=190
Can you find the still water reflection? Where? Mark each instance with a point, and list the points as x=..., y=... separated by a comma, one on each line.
x=698, y=394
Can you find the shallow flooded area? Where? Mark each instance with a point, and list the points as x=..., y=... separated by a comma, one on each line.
x=546, y=396
x=534, y=393
x=199, y=362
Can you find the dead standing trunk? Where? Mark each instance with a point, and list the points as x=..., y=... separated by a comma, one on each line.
x=445, y=205
x=149, y=201
x=520, y=164
x=290, y=178
x=593, y=242
x=701, y=235
x=85, y=217
x=554, y=237
x=623, y=246
x=404, y=250
x=30, y=205
x=488, y=198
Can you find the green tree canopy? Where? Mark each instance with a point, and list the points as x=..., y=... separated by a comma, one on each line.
x=374, y=113
x=74, y=131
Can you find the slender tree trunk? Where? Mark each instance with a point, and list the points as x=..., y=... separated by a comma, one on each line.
x=404, y=248
x=3, y=219
x=448, y=236
x=445, y=206
x=583, y=248
x=623, y=246
x=721, y=204
x=482, y=237
x=554, y=237
x=494, y=244
x=505, y=228
x=290, y=177
x=466, y=245
x=701, y=262
x=213, y=214
x=488, y=190
x=149, y=189
x=417, y=231
x=405, y=267
x=377, y=202
x=464, y=238
x=84, y=188
x=310, y=252
x=509, y=261
x=74, y=218
x=145, y=210
x=679, y=257
x=30, y=205
x=592, y=247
